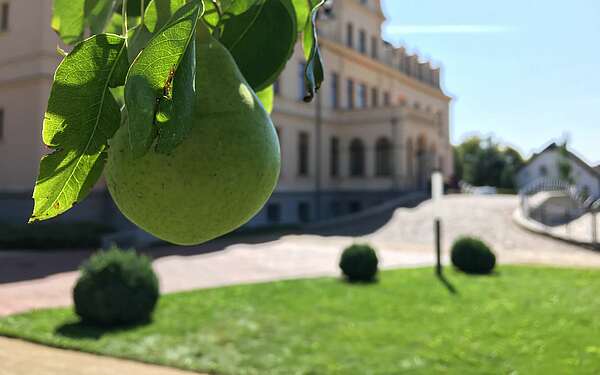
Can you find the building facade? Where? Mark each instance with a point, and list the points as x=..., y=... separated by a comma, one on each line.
x=545, y=165
x=376, y=131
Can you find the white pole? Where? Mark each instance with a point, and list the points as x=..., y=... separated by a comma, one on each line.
x=437, y=191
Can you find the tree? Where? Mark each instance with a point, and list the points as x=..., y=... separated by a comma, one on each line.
x=146, y=55
x=484, y=162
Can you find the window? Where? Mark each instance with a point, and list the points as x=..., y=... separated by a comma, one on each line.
x=277, y=87
x=362, y=41
x=1, y=124
x=301, y=81
x=543, y=171
x=386, y=99
x=304, y=212
x=374, y=97
x=274, y=213
x=364, y=2
x=334, y=157
x=303, y=146
x=4, y=17
x=335, y=89
x=375, y=47
x=362, y=95
x=383, y=157
x=357, y=158
x=350, y=94
x=350, y=36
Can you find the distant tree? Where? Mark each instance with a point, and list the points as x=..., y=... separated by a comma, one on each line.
x=486, y=162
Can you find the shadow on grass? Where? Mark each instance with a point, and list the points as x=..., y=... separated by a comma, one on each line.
x=83, y=330
x=446, y=283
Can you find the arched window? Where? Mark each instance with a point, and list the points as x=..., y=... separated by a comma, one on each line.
x=357, y=158
x=383, y=157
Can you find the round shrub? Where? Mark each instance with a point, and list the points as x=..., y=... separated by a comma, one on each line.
x=116, y=287
x=473, y=256
x=359, y=263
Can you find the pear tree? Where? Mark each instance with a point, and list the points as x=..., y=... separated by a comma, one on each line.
x=169, y=100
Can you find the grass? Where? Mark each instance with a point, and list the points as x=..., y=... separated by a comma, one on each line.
x=523, y=320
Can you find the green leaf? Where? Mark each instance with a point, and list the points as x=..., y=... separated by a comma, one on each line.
x=235, y=7
x=82, y=115
x=134, y=7
x=302, y=9
x=175, y=112
x=68, y=19
x=157, y=14
x=266, y=97
x=115, y=26
x=98, y=13
x=153, y=73
x=262, y=40
x=314, y=75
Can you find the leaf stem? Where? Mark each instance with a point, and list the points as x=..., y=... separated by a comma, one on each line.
x=124, y=13
x=142, y=11
x=218, y=8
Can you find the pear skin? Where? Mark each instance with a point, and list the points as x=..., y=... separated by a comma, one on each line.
x=219, y=177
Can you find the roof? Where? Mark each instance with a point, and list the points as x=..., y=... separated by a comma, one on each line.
x=553, y=147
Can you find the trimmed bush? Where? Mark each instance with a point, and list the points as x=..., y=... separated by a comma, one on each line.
x=359, y=263
x=116, y=287
x=471, y=255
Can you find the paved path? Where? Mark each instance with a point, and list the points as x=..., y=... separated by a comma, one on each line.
x=489, y=217
x=405, y=241
x=285, y=258
x=22, y=358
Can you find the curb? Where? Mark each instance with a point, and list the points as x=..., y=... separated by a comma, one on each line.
x=537, y=228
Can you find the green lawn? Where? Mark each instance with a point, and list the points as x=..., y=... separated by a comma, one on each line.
x=523, y=320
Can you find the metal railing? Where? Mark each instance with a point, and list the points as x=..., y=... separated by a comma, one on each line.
x=582, y=203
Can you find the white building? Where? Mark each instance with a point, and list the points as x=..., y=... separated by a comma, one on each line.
x=545, y=164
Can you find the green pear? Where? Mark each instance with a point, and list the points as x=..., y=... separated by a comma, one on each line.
x=218, y=178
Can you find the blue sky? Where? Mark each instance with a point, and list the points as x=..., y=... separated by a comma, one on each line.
x=526, y=72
